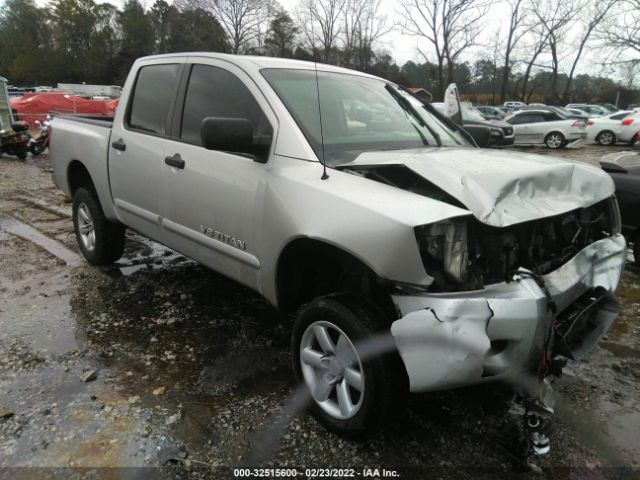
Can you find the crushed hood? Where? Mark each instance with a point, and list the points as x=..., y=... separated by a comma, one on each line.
x=501, y=188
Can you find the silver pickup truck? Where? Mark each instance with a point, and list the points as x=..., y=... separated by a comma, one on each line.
x=346, y=201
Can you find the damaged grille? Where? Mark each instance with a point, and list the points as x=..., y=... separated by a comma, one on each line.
x=493, y=254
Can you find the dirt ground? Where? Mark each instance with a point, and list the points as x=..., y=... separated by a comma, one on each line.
x=192, y=372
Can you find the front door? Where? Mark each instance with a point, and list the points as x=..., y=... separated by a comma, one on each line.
x=215, y=202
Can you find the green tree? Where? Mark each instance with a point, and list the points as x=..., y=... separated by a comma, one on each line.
x=138, y=36
x=24, y=42
x=282, y=34
x=196, y=30
x=163, y=17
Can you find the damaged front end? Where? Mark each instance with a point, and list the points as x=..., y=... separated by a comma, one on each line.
x=510, y=298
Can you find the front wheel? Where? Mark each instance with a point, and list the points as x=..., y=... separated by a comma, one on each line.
x=101, y=241
x=352, y=385
x=554, y=140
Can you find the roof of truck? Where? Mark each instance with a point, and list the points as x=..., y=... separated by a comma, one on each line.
x=252, y=62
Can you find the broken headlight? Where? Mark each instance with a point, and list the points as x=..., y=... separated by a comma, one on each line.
x=444, y=252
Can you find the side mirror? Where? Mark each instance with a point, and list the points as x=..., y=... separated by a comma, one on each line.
x=482, y=135
x=233, y=135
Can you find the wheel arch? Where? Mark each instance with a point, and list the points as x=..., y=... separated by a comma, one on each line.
x=308, y=267
x=79, y=175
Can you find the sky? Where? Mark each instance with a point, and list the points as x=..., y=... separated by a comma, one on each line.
x=404, y=47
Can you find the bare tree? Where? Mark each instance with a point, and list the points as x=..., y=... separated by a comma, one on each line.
x=450, y=26
x=320, y=25
x=363, y=25
x=517, y=30
x=535, y=48
x=597, y=11
x=556, y=17
x=621, y=32
x=243, y=20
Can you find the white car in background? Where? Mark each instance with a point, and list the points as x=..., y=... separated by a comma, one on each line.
x=604, y=130
x=629, y=129
x=514, y=105
x=542, y=127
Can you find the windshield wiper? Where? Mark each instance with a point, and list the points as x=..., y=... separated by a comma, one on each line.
x=406, y=104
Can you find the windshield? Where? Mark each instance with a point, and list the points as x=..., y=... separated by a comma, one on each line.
x=358, y=114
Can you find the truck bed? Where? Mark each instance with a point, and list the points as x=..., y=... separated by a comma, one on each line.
x=98, y=120
x=85, y=139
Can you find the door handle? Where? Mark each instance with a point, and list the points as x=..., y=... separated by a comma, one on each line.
x=119, y=145
x=174, y=161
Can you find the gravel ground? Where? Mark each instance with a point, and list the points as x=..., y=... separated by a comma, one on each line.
x=159, y=368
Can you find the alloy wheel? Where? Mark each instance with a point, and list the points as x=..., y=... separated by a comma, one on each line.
x=86, y=227
x=332, y=370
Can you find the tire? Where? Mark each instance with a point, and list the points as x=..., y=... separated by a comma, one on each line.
x=554, y=140
x=100, y=240
x=606, y=138
x=38, y=148
x=383, y=388
x=22, y=154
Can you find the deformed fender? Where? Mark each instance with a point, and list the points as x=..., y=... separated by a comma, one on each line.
x=444, y=348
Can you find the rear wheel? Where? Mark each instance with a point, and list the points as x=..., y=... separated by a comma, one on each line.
x=101, y=241
x=554, y=140
x=352, y=391
x=606, y=138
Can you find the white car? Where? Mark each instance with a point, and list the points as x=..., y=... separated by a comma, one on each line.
x=629, y=130
x=591, y=110
x=514, y=105
x=604, y=130
x=536, y=127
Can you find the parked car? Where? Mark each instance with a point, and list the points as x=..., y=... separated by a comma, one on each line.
x=609, y=106
x=537, y=105
x=502, y=132
x=366, y=228
x=629, y=129
x=534, y=127
x=633, y=106
x=563, y=112
x=624, y=168
x=577, y=111
x=490, y=113
x=604, y=130
x=514, y=105
x=592, y=110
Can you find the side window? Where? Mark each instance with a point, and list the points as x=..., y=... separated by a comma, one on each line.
x=619, y=116
x=551, y=117
x=152, y=97
x=215, y=92
x=519, y=119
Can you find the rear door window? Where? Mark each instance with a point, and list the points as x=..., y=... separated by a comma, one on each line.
x=152, y=97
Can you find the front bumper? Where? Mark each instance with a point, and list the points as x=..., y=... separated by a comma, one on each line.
x=456, y=339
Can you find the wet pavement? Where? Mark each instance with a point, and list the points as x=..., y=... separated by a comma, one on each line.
x=186, y=371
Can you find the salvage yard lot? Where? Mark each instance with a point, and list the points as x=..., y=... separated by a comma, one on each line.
x=191, y=370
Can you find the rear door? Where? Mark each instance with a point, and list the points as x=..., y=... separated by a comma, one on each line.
x=138, y=143
x=214, y=208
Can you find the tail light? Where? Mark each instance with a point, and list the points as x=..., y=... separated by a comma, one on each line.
x=590, y=122
x=627, y=121
x=578, y=123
